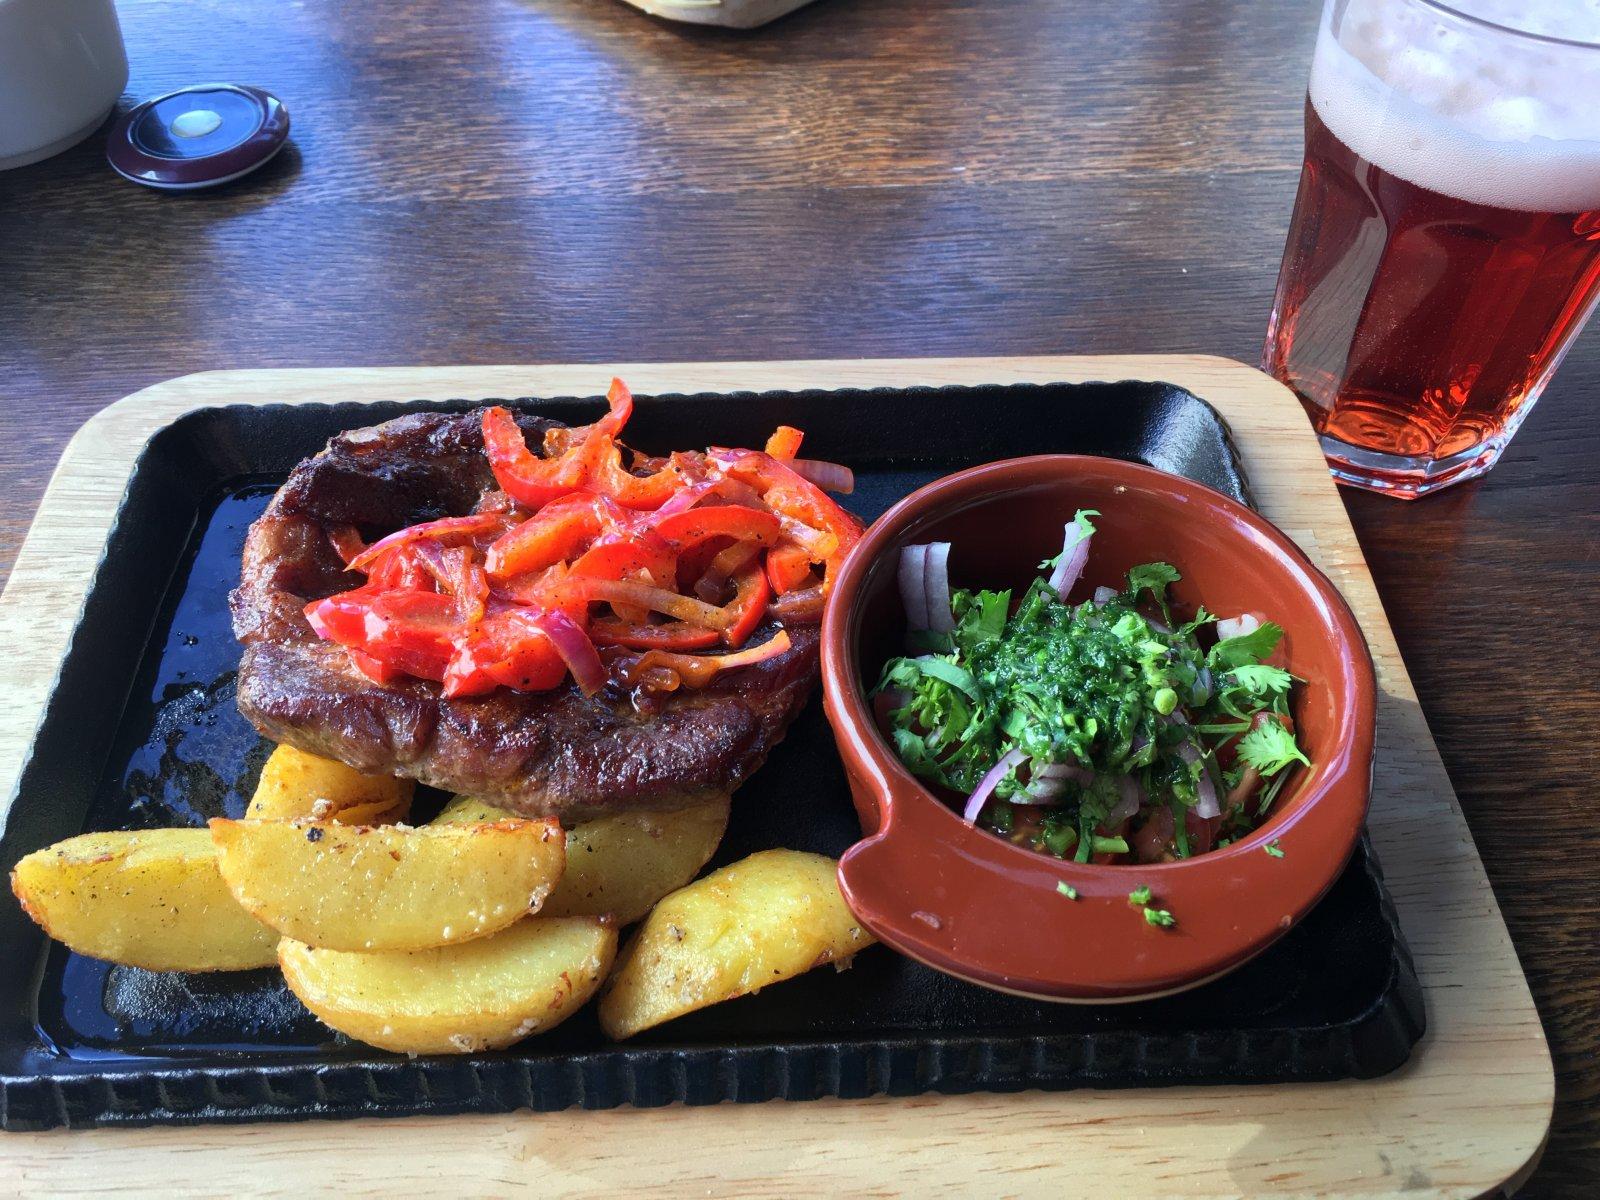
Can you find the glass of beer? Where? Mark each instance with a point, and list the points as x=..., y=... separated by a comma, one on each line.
x=1445, y=245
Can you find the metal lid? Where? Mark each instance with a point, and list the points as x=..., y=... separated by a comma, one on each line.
x=198, y=136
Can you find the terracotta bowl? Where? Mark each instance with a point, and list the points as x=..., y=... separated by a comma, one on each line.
x=972, y=904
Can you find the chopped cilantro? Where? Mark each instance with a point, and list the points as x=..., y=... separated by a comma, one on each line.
x=1273, y=848
x=1247, y=649
x=1269, y=748
x=1153, y=578
x=1092, y=705
x=1083, y=527
x=1067, y=890
x=1160, y=918
x=1140, y=896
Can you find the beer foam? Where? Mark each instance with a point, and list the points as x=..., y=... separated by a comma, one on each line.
x=1484, y=116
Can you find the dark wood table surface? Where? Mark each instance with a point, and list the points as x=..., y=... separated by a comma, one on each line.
x=568, y=180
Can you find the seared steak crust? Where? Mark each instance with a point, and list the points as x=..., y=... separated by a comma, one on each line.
x=555, y=753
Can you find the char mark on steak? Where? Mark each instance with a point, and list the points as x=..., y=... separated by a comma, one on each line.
x=555, y=753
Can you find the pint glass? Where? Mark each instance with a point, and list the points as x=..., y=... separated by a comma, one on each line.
x=1445, y=245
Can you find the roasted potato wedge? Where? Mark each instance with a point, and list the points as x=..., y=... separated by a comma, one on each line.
x=620, y=864
x=150, y=898
x=764, y=919
x=296, y=784
x=388, y=887
x=483, y=995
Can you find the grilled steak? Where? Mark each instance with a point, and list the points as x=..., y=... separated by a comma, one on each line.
x=556, y=753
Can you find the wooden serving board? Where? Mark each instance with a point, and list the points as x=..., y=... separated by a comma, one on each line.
x=736, y=14
x=1467, y=1115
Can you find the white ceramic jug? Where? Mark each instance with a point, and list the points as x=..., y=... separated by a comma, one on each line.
x=62, y=67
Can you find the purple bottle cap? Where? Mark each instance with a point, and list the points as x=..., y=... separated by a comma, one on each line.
x=197, y=137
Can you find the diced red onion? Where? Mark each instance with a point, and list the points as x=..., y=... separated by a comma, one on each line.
x=575, y=649
x=1237, y=626
x=1104, y=596
x=986, y=785
x=1041, y=790
x=1065, y=576
x=1079, y=775
x=1207, y=807
x=913, y=585
x=829, y=476
x=1131, y=796
x=1206, y=788
x=686, y=498
x=936, y=587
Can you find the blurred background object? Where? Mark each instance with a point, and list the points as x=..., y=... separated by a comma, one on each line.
x=62, y=67
x=737, y=14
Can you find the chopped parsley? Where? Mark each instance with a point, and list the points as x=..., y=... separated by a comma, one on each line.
x=1140, y=896
x=1273, y=848
x=1092, y=705
x=1160, y=918
x=1067, y=890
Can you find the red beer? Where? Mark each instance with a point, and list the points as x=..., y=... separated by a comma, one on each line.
x=1418, y=326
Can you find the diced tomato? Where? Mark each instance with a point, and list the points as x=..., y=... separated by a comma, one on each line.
x=785, y=442
x=1152, y=841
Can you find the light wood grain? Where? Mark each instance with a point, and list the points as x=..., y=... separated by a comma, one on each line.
x=1467, y=1114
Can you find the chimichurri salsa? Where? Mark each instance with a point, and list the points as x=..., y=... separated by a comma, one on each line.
x=1108, y=730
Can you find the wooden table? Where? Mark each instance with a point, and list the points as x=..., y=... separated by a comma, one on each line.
x=563, y=180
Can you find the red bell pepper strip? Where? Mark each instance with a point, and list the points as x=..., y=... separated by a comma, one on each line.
x=687, y=529
x=626, y=558
x=607, y=476
x=528, y=479
x=558, y=532
x=785, y=442
x=748, y=606
x=788, y=567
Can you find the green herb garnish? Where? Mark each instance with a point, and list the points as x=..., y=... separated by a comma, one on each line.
x=1099, y=702
x=1273, y=848
x=1140, y=896
x=1160, y=917
x=1067, y=890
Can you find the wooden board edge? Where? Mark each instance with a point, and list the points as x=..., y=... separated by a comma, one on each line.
x=1298, y=488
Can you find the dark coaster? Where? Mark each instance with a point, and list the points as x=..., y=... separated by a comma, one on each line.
x=198, y=137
